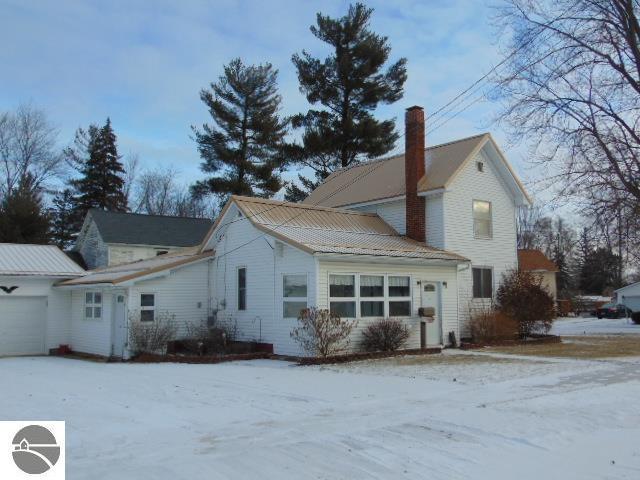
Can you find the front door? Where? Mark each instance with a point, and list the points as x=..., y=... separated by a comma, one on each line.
x=119, y=325
x=430, y=298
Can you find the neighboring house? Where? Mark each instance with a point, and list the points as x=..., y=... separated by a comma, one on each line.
x=461, y=196
x=32, y=313
x=113, y=238
x=629, y=296
x=536, y=262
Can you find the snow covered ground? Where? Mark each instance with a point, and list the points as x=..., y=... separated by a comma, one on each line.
x=455, y=416
x=594, y=326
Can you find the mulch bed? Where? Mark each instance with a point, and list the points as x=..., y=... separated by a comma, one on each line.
x=533, y=340
x=353, y=357
x=154, y=358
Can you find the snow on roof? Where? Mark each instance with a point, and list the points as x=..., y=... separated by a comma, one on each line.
x=323, y=230
x=130, y=271
x=43, y=260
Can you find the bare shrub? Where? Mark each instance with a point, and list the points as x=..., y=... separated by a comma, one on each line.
x=387, y=335
x=201, y=338
x=152, y=337
x=322, y=333
x=489, y=324
x=521, y=296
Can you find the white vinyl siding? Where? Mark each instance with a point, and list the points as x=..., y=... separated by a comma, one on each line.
x=391, y=212
x=446, y=274
x=499, y=252
x=268, y=260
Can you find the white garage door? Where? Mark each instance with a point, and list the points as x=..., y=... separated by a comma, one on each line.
x=22, y=325
x=632, y=302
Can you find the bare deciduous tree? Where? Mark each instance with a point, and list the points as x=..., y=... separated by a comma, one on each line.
x=572, y=89
x=28, y=146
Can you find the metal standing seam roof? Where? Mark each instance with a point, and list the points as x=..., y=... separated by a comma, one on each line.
x=158, y=230
x=329, y=230
x=130, y=271
x=384, y=178
x=42, y=260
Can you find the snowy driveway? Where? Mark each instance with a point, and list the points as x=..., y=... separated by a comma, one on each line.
x=594, y=326
x=499, y=419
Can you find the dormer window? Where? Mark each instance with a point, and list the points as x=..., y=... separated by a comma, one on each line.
x=482, y=227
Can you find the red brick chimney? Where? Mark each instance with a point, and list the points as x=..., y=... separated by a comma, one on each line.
x=414, y=171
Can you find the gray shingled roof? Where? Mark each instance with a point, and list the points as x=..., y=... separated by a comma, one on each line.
x=138, y=229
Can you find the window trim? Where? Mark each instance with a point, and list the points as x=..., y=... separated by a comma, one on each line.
x=148, y=308
x=93, y=305
x=246, y=278
x=294, y=299
x=473, y=218
x=386, y=298
x=482, y=267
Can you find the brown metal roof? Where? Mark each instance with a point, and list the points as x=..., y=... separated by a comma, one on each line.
x=330, y=230
x=384, y=178
x=130, y=271
x=535, y=261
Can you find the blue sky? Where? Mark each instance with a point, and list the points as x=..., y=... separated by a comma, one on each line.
x=143, y=63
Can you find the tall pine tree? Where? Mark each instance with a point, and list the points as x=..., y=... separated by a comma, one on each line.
x=64, y=219
x=101, y=184
x=242, y=150
x=349, y=84
x=22, y=218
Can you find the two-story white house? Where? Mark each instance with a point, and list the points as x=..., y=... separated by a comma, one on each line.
x=424, y=237
x=460, y=196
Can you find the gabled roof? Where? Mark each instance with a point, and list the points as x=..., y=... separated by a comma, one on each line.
x=119, y=274
x=322, y=230
x=535, y=261
x=631, y=285
x=43, y=260
x=157, y=230
x=384, y=179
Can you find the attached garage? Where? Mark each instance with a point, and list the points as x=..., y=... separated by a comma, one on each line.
x=22, y=325
x=34, y=317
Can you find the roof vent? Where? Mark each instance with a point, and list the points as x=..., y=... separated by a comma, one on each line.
x=480, y=166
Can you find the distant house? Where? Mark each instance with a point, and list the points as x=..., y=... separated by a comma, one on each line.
x=536, y=262
x=114, y=238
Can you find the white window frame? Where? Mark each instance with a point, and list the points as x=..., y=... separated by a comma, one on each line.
x=386, y=298
x=473, y=216
x=304, y=300
x=148, y=308
x=93, y=305
x=246, y=288
x=482, y=267
x=399, y=299
x=383, y=299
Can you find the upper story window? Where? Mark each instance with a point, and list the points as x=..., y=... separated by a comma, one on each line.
x=482, y=282
x=482, y=225
x=93, y=305
x=242, y=288
x=294, y=293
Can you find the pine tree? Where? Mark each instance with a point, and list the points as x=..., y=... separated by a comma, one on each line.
x=243, y=148
x=101, y=182
x=22, y=218
x=64, y=219
x=349, y=84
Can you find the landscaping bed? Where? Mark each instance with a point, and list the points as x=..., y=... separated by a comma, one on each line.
x=219, y=358
x=353, y=357
x=533, y=340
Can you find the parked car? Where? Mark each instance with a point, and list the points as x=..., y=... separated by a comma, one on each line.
x=612, y=310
